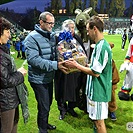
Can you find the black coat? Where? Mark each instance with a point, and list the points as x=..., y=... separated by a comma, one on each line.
x=67, y=86
x=8, y=81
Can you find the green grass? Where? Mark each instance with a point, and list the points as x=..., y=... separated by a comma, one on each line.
x=82, y=124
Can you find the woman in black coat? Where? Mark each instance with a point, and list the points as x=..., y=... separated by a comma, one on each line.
x=9, y=79
x=67, y=86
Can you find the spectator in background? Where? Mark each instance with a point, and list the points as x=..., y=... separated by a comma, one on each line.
x=130, y=35
x=22, y=47
x=18, y=47
x=124, y=38
x=13, y=37
x=8, y=44
x=23, y=50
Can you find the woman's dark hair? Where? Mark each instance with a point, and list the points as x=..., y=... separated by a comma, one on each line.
x=4, y=25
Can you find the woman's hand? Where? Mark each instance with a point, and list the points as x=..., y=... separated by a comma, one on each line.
x=22, y=70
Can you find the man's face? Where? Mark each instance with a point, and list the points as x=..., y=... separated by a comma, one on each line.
x=90, y=32
x=48, y=24
x=5, y=37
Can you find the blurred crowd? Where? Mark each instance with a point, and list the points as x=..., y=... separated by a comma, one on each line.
x=17, y=41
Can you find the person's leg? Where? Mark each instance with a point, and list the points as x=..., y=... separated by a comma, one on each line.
x=43, y=104
x=100, y=125
x=16, y=119
x=124, y=93
x=19, y=55
x=112, y=103
x=98, y=111
x=112, y=106
x=124, y=42
x=128, y=82
x=23, y=56
x=71, y=106
x=122, y=45
x=50, y=91
x=7, y=121
x=62, y=107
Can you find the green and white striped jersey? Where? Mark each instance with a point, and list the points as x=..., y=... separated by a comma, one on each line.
x=99, y=88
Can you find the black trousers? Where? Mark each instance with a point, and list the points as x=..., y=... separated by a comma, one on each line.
x=123, y=44
x=18, y=55
x=63, y=107
x=44, y=95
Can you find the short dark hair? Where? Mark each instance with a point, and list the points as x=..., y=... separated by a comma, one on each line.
x=96, y=21
x=4, y=25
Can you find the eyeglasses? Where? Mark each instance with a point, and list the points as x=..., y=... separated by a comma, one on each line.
x=50, y=23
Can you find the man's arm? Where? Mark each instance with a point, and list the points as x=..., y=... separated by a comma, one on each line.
x=73, y=64
x=62, y=67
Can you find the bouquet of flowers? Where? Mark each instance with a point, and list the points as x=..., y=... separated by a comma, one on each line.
x=68, y=47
